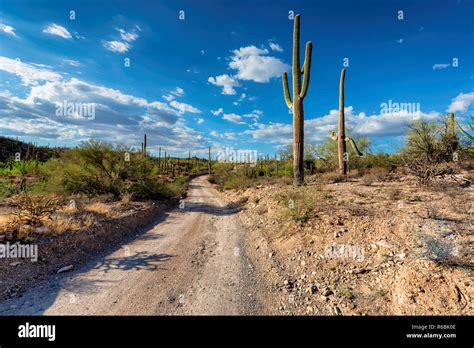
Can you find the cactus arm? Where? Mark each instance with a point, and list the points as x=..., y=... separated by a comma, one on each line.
x=306, y=69
x=354, y=146
x=333, y=135
x=286, y=91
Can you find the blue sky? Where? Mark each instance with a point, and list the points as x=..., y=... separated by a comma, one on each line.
x=214, y=78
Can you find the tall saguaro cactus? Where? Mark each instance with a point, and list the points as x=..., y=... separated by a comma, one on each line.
x=144, y=144
x=299, y=93
x=340, y=137
x=453, y=139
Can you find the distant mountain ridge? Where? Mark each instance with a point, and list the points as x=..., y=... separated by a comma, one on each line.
x=9, y=147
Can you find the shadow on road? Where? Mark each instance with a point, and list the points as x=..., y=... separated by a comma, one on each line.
x=138, y=261
x=228, y=209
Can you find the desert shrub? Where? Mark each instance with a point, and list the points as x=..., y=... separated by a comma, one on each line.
x=300, y=206
x=24, y=167
x=95, y=168
x=7, y=189
x=437, y=250
x=429, y=151
x=31, y=210
x=394, y=193
x=178, y=186
x=429, y=142
x=327, y=155
x=239, y=176
x=426, y=171
x=149, y=189
x=371, y=162
x=238, y=182
x=368, y=179
x=345, y=292
x=157, y=189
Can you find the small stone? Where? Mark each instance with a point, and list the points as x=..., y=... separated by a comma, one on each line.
x=327, y=292
x=270, y=255
x=41, y=229
x=337, y=310
x=65, y=269
x=303, y=263
x=14, y=264
x=289, y=284
x=352, y=306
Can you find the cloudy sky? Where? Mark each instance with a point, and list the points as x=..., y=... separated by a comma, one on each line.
x=193, y=74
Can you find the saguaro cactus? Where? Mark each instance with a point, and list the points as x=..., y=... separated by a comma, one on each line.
x=144, y=144
x=340, y=137
x=299, y=93
x=453, y=139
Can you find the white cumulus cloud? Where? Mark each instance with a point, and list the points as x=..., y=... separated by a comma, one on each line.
x=183, y=107
x=276, y=47
x=462, y=102
x=128, y=36
x=116, y=46
x=253, y=64
x=217, y=112
x=30, y=74
x=55, y=29
x=234, y=118
x=226, y=82
x=7, y=29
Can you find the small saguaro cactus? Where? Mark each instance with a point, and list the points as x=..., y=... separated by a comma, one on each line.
x=144, y=144
x=341, y=137
x=296, y=105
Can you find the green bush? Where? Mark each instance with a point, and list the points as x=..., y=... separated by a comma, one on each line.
x=27, y=167
x=156, y=189
x=97, y=168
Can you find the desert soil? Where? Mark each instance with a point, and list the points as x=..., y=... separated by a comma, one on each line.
x=390, y=247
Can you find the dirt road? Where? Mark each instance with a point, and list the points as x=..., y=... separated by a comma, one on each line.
x=192, y=261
